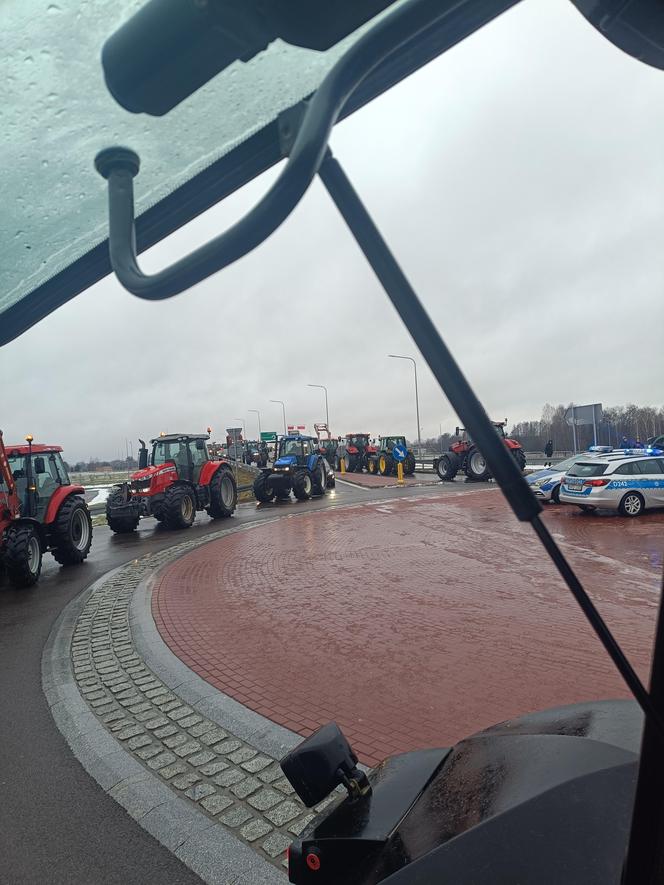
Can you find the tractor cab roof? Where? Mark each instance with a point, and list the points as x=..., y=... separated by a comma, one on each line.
x=36, y=449
x=297, y=436
x=175, y=437
x=357, y=434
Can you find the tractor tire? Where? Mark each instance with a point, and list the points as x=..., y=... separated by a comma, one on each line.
x=331, y=482
x=351, y=462
x=71, y=532
x=223, y=495
x=320, y=479
x=262, y=489
x=303, y=485
x=447, y=466
x=179, y=509
x=121, y=525
x=520, y=458
x=409, y=464
x=477, y=470
x=23, y=555
x=385, y=464
x=372, y=466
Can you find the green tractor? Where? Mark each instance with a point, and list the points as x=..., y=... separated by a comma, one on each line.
x=382, y=461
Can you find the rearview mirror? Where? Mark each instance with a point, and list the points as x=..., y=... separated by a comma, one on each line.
x=39, y=466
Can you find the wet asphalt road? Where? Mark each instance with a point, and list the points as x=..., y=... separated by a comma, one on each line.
x=57, y=825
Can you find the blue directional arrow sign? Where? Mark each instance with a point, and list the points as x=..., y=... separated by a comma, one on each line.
x=399, y=453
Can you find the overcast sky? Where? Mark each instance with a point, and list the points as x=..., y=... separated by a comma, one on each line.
x=519, y=180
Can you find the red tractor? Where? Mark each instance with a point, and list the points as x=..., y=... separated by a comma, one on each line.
x=40, y=511
x=179, y=480
x=464, y=456
x=355, y=451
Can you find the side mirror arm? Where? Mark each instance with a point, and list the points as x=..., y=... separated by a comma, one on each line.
x=306, y=146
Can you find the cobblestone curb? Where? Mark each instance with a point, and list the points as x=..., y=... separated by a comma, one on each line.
x=210, y=793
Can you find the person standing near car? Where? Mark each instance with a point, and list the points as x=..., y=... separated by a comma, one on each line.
x=548, y=453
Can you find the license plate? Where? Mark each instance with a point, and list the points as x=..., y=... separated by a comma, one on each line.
x=574, y=483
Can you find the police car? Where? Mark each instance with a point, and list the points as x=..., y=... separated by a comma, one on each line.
x=545, y=484
x=627, y=480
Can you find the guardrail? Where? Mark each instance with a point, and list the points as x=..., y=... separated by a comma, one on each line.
x=425, y=464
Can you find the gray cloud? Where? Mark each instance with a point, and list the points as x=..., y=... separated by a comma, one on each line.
x=518, y=180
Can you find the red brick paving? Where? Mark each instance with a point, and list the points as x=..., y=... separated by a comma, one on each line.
x=411, y=622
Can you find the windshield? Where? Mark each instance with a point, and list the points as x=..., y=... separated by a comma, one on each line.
x=585, y=469
x=54, y=96
x=167, y=451
x=290, y=447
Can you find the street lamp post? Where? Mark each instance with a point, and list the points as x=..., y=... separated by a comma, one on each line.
x=283, y=409
x=256, y=412
x=327, y=412
x=396, y=356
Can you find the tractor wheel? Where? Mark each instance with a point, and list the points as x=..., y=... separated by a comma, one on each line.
x=372, y=466
x=303, y=485
x=447, y=466
x=385, y=464
x=23, y=555
x=121, y=525
x=71, y=532
x=282, y=494
x=409, y=464
x=223, y=494
x=477, y=469
x=179, y=509
x=519, y=457
x=320, y=479
x=262, y=489
x=351, y=462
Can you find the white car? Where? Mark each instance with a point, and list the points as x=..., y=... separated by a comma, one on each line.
x=545, y=483
x=627, y=480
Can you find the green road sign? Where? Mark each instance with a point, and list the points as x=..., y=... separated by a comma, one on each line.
x=269, y=436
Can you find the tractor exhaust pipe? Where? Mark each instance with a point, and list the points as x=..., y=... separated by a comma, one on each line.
x=142, y=455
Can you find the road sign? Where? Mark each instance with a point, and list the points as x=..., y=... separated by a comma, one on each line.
x=269, y=436
x=399, y=453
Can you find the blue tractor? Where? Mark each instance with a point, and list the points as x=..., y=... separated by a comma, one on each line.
x=299, y=467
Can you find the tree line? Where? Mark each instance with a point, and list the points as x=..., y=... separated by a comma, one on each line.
x=630, y=422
